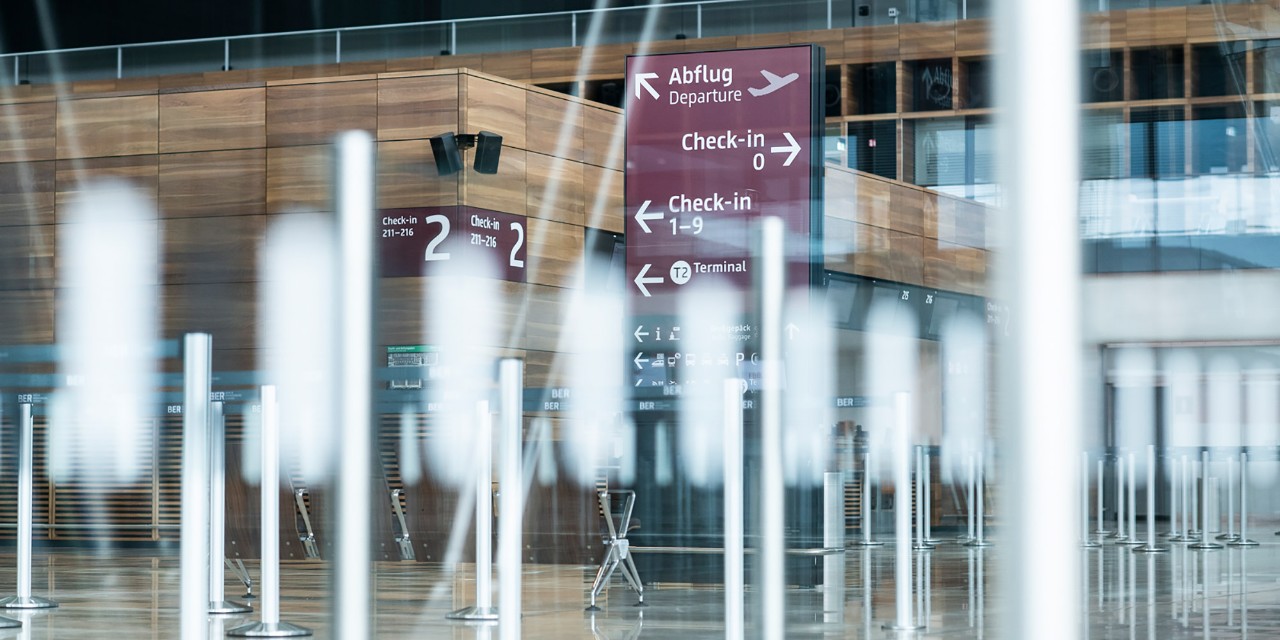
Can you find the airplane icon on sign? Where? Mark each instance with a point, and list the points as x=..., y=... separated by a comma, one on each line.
x=775, y=82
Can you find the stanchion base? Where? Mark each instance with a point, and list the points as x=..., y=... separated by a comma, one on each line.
x=922, y=546
x=269, y=630
x=935, y=541
x=1226, y=537
x=228, y=606
x=1102, y=533
x=34, y=602
x=897, y=627
x=867, y=543
x=1150, y=548
x=977, y=543
x=594, y=609
x=1205, y=546
x=1177, y=537
x=1090, y=544
x=474, y=613
x=1131, y=542
x=10, y=623
x=963, y=539
x=1243, y=542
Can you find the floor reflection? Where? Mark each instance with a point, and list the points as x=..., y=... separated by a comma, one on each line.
x=1229, y=593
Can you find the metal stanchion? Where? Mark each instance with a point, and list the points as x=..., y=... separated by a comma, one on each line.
x=26, y=470
x=1187, y=512
x=1100, y=531
x=217, y=514
x=865, y=507
x=1085, y=540
x=1243, y=540
x=483, y=609
x=1120, y=535
x=734, y=524
x=902, y=514
x=921, y=544
x=928, y=497
x=270, y=625
x=833, y=510
x=1205, y=543
x=980, y=539
x=1151, y=546
x=511, y=498
x=1132, y=503
x=968, y=500
x=1195, y=474
x=1230, y=535
x=1174, y=535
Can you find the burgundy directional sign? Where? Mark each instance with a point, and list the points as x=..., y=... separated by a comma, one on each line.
x=715, y=141
x=417, y=241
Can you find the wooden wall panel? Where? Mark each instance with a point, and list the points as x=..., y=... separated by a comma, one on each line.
x=149, y=228
x=26, y=258
x=545, y=319
x=560, y=62
x=839, y=244
x=555, y=253
x=209, y=183
x=303, y=114
x=830, y=39
x=26, y=193
x=210, y=250
x=906, y=205
x=973, y=37
x=874, y=203
x=553, y=125
x=228, y=310
x=417, y=106
x=871, y=252
x=97, y=127
x=927, y=40
x=555, y=190
x=399, y=316
x=602, y=196
x=871, y=44
x=608, y=61
x=298, y=179
x=213, y=120
x=599, y=127
x=27, y=131
x=499, y=107
x=140, y=172
x=407, y=177
x=26, y=317
x=513, y=65
x=1152, y=26
x=503, y=191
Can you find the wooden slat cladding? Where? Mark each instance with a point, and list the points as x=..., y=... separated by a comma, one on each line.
x=213, y=120
x=98, y=127
x=311, y=114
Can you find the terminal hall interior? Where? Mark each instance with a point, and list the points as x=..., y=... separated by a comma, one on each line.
x=710, y=319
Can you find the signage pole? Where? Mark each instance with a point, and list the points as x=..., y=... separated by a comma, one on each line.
x=196, y=379
x=483, y=609
x=1243, y=540
x=270, y=625
x=1120, y=535
x=922, y=543
x=1151, y=546
x=1205, y=543
x=217, y=514
x=980, y=539
x=864, y=508
x=1230, y=535
x=1100, y=531
x=1188, y=509
x=1174, y=534
x=968, y=498
x=928, y=497
x=1132, y=504
x=26, y=472
x=734, y=582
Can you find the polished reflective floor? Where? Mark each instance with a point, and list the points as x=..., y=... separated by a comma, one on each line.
x=1228, y=593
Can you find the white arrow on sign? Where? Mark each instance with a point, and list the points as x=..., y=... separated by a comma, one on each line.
x=794, y=149
x=792, y=330
x=643, y=218
x=639, y=334
x=641, y=281
x=642, y=80
x=638, y=360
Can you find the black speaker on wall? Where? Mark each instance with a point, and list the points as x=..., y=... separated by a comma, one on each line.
x=444, y=148
x=488, y=150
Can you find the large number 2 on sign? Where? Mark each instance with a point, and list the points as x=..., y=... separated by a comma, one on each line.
x=519, y=229
x=431, y=254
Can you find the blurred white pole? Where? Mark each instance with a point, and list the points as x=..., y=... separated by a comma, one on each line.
x=1187, y=510
x=734, y=523
x=217, y=513
x=1039, y=278
x=772, y=511
x=354, y=201
x=927, y=483
x=270, y=625
x=969, y=498
x=833, y=510
x=1206, y=543
x=1230, y=535
x=1174, y=534
x=1243, y=540
x=902, y=426
x=1151, y=546
x=1085, y=540
x=511, y=501
x=980, y=540
x=1132, y=503
x=483, y=442
x=920, y=544
x=865, y=503
x=196, y=379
